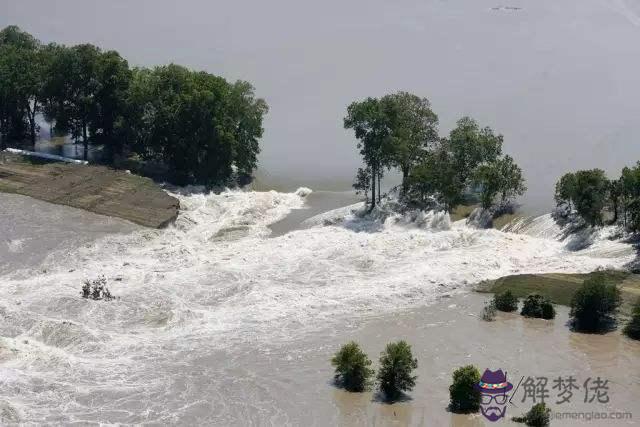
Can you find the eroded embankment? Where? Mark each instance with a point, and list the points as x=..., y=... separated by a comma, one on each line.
x=93, y=188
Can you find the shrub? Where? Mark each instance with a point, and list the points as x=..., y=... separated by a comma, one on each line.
x=538, y=416
x=632, y=330
x=96, y=289
x=464, y=397
x=489, y=312
x=352, y=367
x=538, y=306
x=396, y=366
x=594, y=305
x=506, y=301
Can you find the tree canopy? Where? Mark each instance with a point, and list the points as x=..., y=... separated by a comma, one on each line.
x=400, y=131
x=205, y=129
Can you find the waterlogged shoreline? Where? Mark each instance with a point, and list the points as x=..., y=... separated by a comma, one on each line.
x=216, y=323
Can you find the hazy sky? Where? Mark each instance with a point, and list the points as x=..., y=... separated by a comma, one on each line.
x=560, y=79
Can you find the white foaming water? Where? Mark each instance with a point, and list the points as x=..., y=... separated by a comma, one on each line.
x=214, y=282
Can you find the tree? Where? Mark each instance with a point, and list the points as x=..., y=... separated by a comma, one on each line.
x=247, y=113
x=21, y=75
x=73, y=91
x=396, y=366
x=414, y=127
x=471, y=146
x=371, y=126
x=538, y=416
x=352, y=367
x=537, y=306
x=435, y=176
x=566, y=190
x=463, y=395
x=595, y=304
x=591, y=195
x=632, y=329
x=502, y=178
x=363, y=183
x=505, y=301
x=113, y=77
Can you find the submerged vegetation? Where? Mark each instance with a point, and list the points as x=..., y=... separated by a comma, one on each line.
x=505, y=301
x=96, y=289
x=538, y=416
x=632, y=329
x=199, y=127
x=538, y=306
x=352, y=367
x=395, y=373
x=595, y=305
x=463, y=395
x=399, y=131
x=593, y=198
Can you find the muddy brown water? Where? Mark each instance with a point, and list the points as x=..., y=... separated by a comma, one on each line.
x=293, y=384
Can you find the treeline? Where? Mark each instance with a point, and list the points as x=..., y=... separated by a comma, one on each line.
x=400, y=131
x=201, y=127
x=596, y=199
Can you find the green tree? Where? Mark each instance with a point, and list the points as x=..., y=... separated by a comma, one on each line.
x=501, y=179
x=113, y=77
x=632, y=329
x=396, y=366
x=505, y=301
x=371, y=127
x=471, y=146
x=566, y=190
x=73, y=89
x=21, y=74
x=363, y=183
x=536, y=305
x=352, y=367
x=435, y=176
x=591, y=195
x=414, y=128
x=595, y=304
x=538, y=416
x=463, y=396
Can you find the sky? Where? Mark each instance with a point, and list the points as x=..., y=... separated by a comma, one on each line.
x=560, y=79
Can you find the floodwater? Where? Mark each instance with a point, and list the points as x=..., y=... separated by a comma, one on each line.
x=219, y=322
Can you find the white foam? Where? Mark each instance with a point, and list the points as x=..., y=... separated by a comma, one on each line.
x=213, y=280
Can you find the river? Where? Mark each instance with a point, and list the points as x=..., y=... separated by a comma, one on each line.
x=230, y=316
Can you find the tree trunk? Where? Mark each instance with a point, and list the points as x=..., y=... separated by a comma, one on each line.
x=31, y=114
x=373, y=188
x=379, y=187
x=85, y=141
x=405, y=180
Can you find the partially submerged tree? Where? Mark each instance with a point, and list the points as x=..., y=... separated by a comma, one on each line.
x=463, y=395
x=352, y=367
x=396, y=366
x=595, y=304
x=369, y=122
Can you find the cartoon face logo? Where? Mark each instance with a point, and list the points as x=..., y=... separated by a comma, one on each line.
x=494, y=388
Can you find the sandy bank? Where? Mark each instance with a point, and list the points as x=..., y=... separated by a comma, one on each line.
x=93, y=188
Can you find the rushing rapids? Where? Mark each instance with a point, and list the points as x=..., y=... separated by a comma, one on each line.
x=215, y=280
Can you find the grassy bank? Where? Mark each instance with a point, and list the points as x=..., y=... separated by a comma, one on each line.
x=560, y=287
x=93, y=188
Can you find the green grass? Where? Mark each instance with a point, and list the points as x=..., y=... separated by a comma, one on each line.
x=560, y=287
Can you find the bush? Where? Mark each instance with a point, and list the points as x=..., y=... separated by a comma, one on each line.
x=96, y=289
x=506, y=301
x=632, y=330
x=489, y=312
x=594, y=305
x=396, y=365
x=352, y=367
x=538, y=416
x=464, y=397
x=538, y=306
